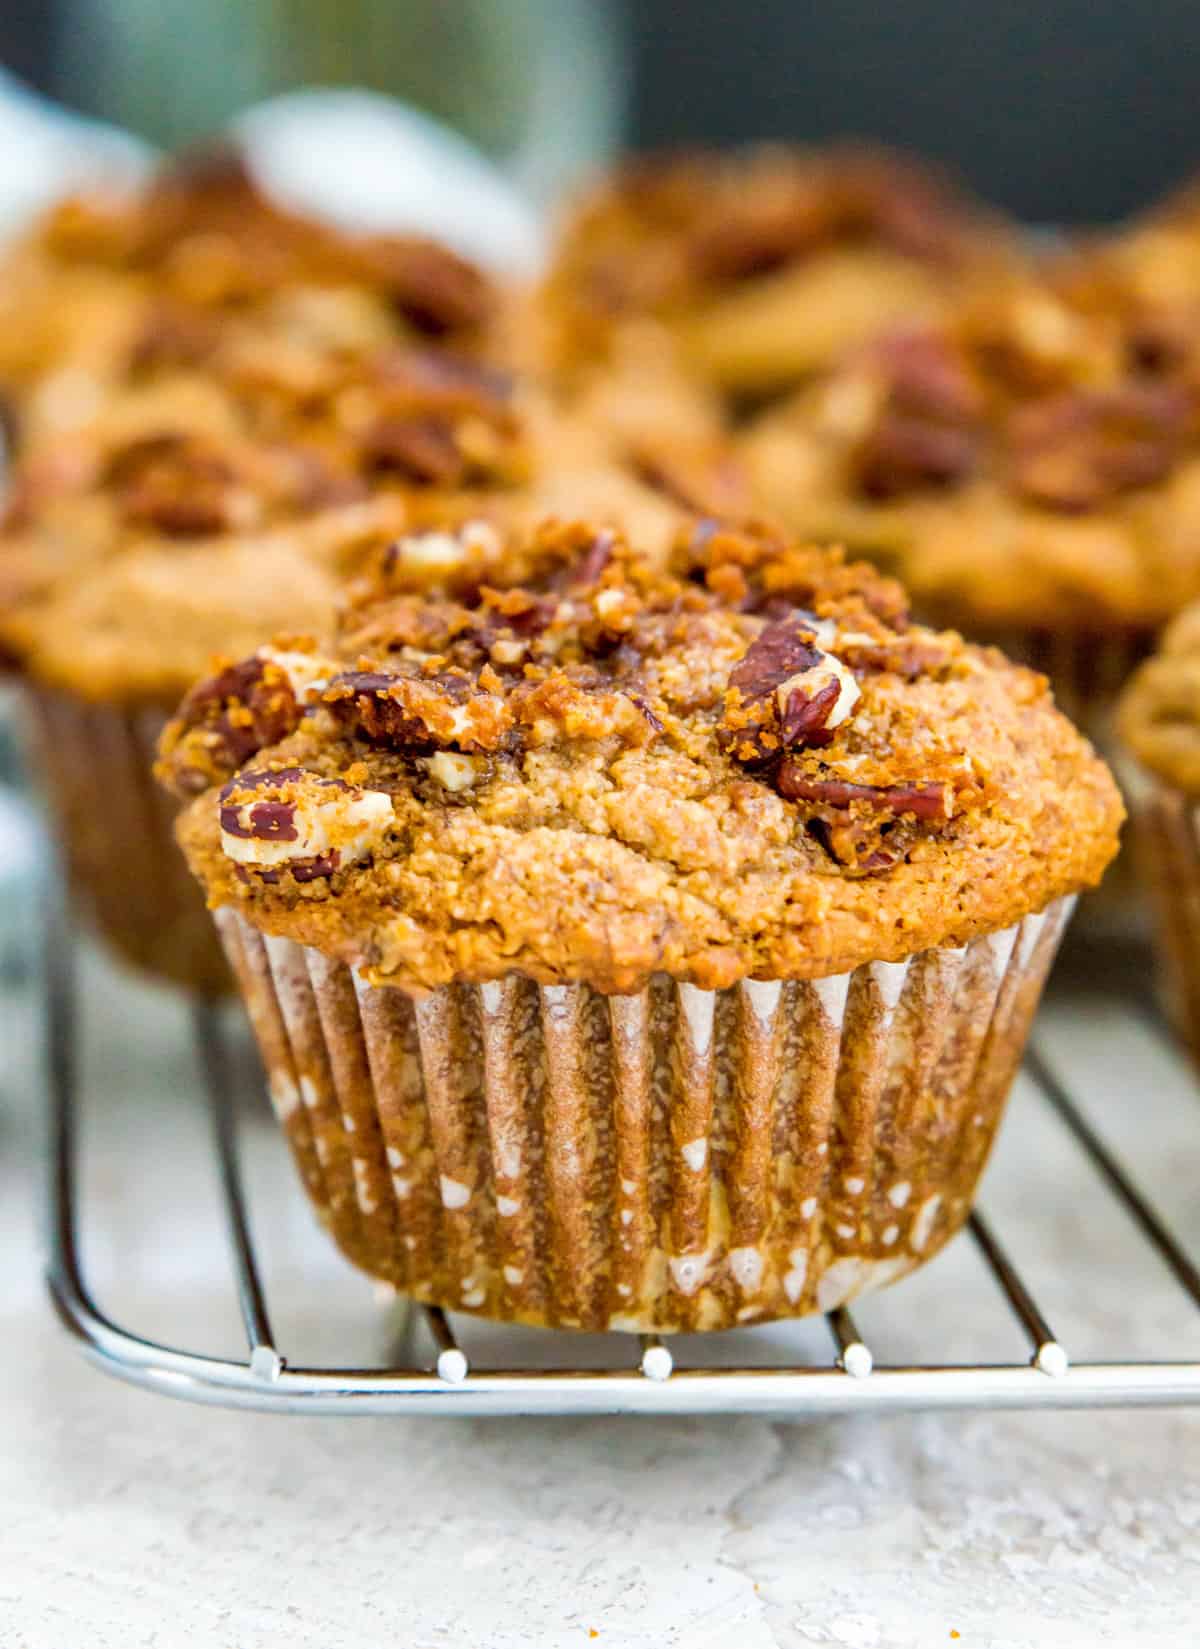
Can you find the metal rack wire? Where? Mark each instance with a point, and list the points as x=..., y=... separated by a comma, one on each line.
x=653, y=1380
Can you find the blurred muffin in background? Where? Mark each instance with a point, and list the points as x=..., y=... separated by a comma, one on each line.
x=1031, y=478
x=1159, y=723
x=109, y=279
x=753, y=270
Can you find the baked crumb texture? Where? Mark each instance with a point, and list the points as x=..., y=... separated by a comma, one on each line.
x=763, y=265
x=670, y=1158
x=570, y=764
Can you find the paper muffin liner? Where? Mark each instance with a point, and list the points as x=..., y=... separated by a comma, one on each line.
x=1166, y=842
x=127, y=874
x=676, y=1159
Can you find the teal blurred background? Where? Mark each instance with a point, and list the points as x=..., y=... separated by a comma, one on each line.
x=1071, y=112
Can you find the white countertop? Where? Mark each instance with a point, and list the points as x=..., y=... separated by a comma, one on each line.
x=133, y=1521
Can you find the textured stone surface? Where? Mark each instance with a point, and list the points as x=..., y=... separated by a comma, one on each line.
x=132, y=1522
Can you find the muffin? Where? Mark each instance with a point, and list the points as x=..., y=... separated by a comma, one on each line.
x=1159, y=724
x=757, y=269
x=632, y=947
x=1028, y=477
x=135, y=280
x=225, y=500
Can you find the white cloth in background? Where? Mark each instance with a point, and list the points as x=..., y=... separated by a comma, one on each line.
x=368, y=162
x=355, y=158
x=48, y=151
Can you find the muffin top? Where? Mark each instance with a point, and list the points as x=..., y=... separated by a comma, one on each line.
x=1022, y=459
x=1159, y=712
x=766, y=263
x=109, y=284
x=566, y=760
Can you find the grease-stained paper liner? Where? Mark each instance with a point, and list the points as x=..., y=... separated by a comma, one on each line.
x=677, y=1159
x=127, y=872
x=1166, y=838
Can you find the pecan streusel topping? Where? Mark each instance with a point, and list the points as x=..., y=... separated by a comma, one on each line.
x=751, y=762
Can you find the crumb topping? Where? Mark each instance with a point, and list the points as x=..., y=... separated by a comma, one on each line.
x=748, y=762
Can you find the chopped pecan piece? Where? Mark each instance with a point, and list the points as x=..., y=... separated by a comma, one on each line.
x=805, y=717
x=422, y=449
x=1074, y=451
x=786, y=692
x=228, y=718
x=172, y=336
x=904, y=454
x=298, y=821
x=925, y=801
x=445, y=709
x=926, y=434
x=780, y=650
x=927, y=377
x=436, y=291
x=178, y=486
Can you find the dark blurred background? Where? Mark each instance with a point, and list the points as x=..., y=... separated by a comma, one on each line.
x=1078, y=110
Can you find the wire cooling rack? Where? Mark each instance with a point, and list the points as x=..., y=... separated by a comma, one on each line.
x=645, y=1375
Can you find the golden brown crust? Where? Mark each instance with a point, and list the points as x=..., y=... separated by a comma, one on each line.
x=763, y=265
x=754, y=765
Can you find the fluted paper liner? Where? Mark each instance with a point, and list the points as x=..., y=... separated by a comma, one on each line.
x=1166, y=834
x=676, y=1159
x=127, y=873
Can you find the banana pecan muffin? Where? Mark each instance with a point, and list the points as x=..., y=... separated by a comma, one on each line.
x=110, y=283
x=203, y=511
x=1159, y=722
x=758, y=268
x=638, y=948
x=1031, y=480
